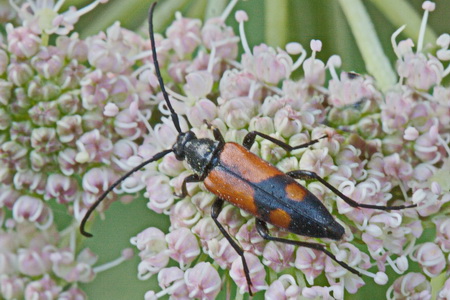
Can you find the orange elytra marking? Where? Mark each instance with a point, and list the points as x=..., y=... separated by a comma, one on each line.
x=232, y=189
x=295, y=192
x=251, y=167
x=279, y=217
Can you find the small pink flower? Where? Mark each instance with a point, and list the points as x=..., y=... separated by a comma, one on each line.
x=69, y=128
x=34, y=262
x=198, y=84
x=349, y=90
x=44, y=139
x=73, y=293
x=72, y=269
x=63, y=188
x=206, y=230
x=257, y=273
x=73, y=47
x=268, y=65
x=318, y=161
x=310, y=262
x=159, y=192
x=314, y=71
x=153, y=251
x=184, y=214
x=353, y=257
x=172, y=280
x=202, y=281
x=32, y=209
x=284, y=288
x=12, y=287
x=171, y=166
x=67, y=162
x=444, y=293
x=128, y=125
x=23, y=42
x=419, y=71
x=222, y=252
x=48, y=61
x=183, y=246
x=45, y=113
x=150, y=242
x=396, y=111
x=95, y=182
x=430, y=258
x=184, y=35
x=287, y=121
x=410, y=134
x=216, y=34
x=98, y=147
x=237, y=112
x=95, y=89
x=410, y=286
x=250, y=239
x=44, y=288
x=278, y=256
x=397, y=168
x=201, y=111
x=109, y=52
x=111, y=110
x=443, y=233
x=321, y=292
x=8, y=263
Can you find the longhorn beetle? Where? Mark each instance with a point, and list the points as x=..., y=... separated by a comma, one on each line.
x=234, y=174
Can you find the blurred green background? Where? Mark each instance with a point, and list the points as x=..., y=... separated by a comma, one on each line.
x=287, y=20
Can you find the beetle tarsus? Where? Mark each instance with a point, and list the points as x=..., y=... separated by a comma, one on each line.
x=262, y=229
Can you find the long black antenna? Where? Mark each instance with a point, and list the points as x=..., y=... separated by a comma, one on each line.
x=105, y=193
x=174, y=116
x=159, y=155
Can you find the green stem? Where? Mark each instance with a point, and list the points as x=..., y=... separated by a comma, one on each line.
x=408, y=16
x=122, y=10
x=196, y=9
x=44, y=39
x=276, y=22
x=377, y=64
x=214, y=8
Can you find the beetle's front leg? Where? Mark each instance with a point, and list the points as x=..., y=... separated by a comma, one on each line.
x=216, y=132
x=190, y=178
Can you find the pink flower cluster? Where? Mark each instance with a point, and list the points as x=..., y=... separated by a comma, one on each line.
x=60, y=143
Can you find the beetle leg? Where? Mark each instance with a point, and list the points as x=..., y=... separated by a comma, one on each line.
x=249, y=139
x=261, y=226
x=190, y=178
x=217, y=134
x=305, y=175
x=215, y=211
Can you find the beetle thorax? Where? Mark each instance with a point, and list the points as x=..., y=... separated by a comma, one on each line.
x=200, y=154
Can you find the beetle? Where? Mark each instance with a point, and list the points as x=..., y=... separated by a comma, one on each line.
x=236, y=175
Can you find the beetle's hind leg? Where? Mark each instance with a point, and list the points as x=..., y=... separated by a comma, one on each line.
x=249, y=139
x=305, y=175
x=262, y=229
x=215, y=211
